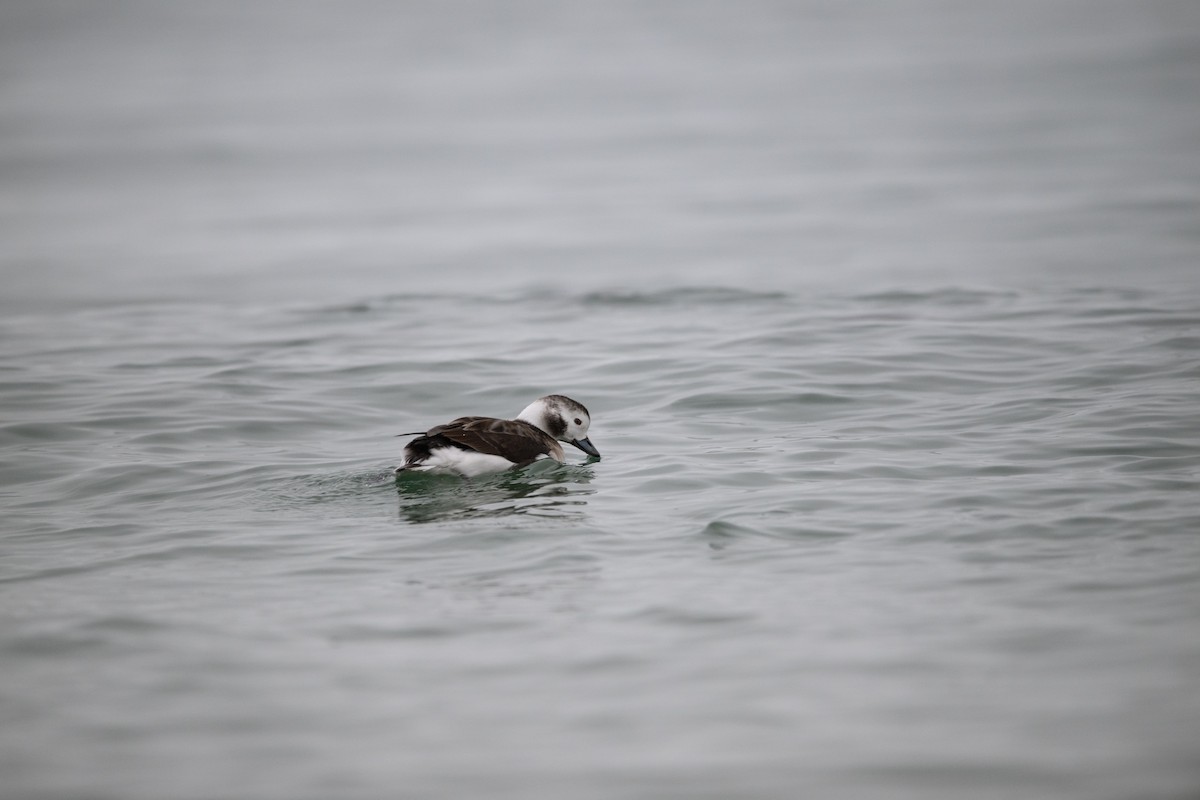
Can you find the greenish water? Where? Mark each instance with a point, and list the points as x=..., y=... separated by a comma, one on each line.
x=888, y=318
x=945, y=541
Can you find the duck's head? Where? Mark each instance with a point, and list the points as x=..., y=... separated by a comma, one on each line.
x=563, y=418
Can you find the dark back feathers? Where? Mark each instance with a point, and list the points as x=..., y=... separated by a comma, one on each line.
x=514, y=439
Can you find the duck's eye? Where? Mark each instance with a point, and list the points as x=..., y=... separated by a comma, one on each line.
x=578, y=421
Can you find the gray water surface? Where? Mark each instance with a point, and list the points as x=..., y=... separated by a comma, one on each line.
x=888, y=320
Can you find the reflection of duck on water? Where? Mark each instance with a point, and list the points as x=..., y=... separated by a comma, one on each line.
x=544, y=489
x=471, y=446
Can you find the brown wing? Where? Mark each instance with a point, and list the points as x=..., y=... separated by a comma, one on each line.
x=514, y=439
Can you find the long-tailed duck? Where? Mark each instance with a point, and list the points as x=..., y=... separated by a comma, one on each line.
x=471, y=446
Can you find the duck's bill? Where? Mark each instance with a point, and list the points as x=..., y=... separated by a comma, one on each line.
x=586, y=446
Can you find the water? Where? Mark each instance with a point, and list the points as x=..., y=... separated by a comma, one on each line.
x=888, y=323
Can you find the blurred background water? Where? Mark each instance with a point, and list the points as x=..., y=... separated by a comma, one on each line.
x=887, y=316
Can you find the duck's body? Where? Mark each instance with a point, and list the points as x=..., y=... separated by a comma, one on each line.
x=470, y=446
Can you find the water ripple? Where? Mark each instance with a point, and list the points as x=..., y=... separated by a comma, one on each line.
x=856, y=492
